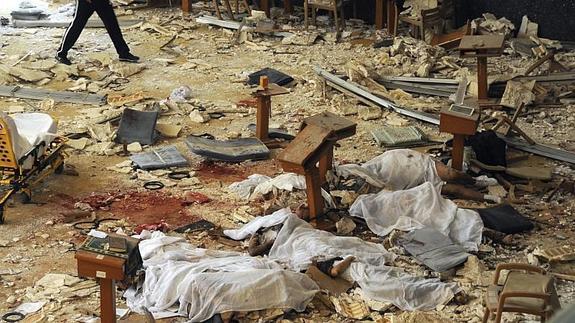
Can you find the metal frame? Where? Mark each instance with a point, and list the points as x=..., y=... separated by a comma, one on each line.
x=363, y=94
x=14, y=178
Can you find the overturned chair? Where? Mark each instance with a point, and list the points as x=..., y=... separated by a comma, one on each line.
x=30, y=150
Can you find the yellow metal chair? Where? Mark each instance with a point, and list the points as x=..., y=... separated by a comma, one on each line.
x=18, y=174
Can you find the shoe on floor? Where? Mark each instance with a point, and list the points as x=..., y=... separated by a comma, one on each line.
x=63, y=59
x=129, y=58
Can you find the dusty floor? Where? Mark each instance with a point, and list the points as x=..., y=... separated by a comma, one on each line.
x=40, y=239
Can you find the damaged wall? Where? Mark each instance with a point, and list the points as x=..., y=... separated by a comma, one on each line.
x=555, y=17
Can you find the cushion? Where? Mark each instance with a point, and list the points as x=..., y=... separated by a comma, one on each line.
x=524, y=282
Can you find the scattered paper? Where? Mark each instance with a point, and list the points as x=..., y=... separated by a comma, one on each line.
x=97, y=234
x=29, y=308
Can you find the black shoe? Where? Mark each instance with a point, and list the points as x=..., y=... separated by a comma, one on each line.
x=63, y=59
x=129, y=58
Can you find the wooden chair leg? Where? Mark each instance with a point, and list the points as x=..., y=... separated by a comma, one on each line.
x=341, y=17
x=217, y=7
x=395, y=14
x=305, y=13
x=313, y=15
x=485, y=316
x=422, y=31
x=229, y=9
x=336, y=20
x=498, y=316
x=248, y=9
x=313, y=191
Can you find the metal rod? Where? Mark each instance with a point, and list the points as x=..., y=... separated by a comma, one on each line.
x=353, y=88
x=420, y=80
x=537, y=149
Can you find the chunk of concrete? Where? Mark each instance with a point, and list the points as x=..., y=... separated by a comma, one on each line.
x=78, y=144
x=197, y=116
x=134, y=147
x=369, y=113
x=168, y=130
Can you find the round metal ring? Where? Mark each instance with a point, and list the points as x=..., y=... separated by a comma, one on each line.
x=121, y=80
x=178, y=175
x=13, y=317
x=85, y=225
x=216, y=115
x=206, y=136
x=153, y=185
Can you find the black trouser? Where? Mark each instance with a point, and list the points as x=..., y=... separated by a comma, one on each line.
x=84, y=11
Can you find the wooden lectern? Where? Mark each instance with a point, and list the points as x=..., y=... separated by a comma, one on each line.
x=460, y=121
x=341, y=128
x=311, y=145
x=264, y=107
x=481, y=47
x=95, y=261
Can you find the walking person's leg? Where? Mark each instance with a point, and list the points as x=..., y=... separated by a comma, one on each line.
x=84, y=10
x=105, y=10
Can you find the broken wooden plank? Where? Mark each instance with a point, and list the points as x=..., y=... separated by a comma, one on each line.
x=459, y=95
x=518, y=130
x=453, y=39
x=57, y=96
x=235, y=25
x=514, y=118
x=92, y=23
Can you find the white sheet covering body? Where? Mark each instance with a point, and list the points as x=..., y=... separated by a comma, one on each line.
x=253, y=226
x=205, y=282
x=298, y=243
x=397, y=169
x=29, y=129
x=260, y=184
x=245, y=188
x=407, y=292
x=415, y=208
